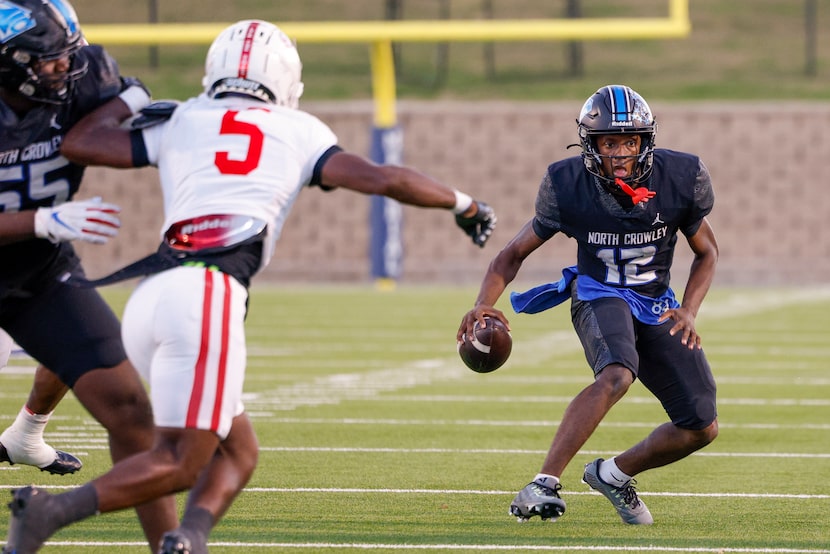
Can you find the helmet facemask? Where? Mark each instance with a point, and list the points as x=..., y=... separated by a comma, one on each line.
x=594, y=160
x=615, y=110
x=47, y=87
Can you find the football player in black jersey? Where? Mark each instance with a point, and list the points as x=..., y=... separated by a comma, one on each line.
x=624, y=202
x=49, y=79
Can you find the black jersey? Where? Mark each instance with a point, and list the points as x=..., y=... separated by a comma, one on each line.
x=618, y=245
x=32, y=171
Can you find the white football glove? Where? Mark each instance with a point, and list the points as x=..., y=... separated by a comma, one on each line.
x=87, y=220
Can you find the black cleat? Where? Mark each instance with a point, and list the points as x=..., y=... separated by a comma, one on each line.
x=175, y=542
x=64, y=463
x=27, y=526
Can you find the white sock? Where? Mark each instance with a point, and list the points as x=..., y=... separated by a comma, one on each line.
x=24, y=442
x=613, y=475
x=545, y=479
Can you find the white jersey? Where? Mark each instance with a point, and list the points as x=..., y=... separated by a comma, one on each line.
x=235, y=156
x=184, y=328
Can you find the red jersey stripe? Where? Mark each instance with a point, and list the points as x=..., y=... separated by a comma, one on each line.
x=201, y=364
x=223, y=354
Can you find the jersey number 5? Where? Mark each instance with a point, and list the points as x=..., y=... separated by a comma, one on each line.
x=231, y=126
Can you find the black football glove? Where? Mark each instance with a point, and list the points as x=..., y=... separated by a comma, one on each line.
x=479, y=226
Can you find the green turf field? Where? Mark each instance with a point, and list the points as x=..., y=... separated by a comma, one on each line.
x=376, y=438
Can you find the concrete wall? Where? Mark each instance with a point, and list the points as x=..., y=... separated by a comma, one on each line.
x=767, y=163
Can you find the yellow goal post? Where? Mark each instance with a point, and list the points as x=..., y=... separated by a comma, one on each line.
x=386, y=252
x=381, y=34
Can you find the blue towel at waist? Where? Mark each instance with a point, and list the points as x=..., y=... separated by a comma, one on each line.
x=543, y=297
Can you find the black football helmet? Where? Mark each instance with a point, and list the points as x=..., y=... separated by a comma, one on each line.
x=35, y=31
x=617, y=109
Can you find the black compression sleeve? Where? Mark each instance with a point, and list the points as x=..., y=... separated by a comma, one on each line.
x=139, y=151
x=317, y=174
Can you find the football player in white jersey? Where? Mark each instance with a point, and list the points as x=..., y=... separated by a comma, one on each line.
x=231, y=164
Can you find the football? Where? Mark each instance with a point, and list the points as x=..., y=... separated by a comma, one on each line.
x=489, y=349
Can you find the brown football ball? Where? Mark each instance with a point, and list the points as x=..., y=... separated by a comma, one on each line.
x=489, y=349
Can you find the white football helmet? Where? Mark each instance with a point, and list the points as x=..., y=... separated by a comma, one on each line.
x=254, y=58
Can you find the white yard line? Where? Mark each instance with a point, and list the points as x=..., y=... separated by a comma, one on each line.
x=536, y=399
x=244, y=546
x=519, y=451
x=521, y=423
x=334, y=389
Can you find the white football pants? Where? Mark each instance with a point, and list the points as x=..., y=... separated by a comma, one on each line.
x=184, y=330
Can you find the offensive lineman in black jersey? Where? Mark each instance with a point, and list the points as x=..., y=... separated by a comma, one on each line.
x=49, y=79
x=624, y=202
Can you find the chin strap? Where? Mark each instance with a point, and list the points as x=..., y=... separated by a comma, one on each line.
x=641, y=194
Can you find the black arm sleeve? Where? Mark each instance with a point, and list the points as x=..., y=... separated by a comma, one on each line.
x=317, y=174
x=139, y=150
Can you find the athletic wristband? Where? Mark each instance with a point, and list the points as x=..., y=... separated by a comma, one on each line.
x=138, y=149
x=462, y=202
x=135, y=97
x=42, y=216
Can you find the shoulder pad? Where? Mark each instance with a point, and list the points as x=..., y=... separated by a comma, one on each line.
x=154, y=113
x=100, y=83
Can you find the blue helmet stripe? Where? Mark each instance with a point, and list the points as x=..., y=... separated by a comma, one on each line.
x=619, y=103
x=68, y=14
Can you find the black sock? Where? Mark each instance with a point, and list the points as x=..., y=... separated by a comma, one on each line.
x=59, y=510
x=197, y=522
x=74, y=505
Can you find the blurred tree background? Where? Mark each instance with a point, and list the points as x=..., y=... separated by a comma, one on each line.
x=738, y=50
